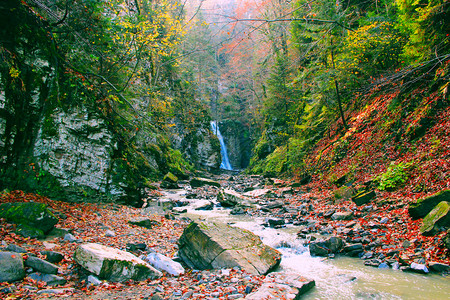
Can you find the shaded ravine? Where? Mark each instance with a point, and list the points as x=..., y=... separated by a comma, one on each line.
x=338, y=278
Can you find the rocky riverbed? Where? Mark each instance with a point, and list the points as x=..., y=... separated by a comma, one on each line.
x=380, y=232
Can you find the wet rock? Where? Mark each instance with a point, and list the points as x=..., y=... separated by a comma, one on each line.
x=113, y=264
x=199, y=182
x=164, y=263
x=207, y=206
x=52, y=256
x=144, y=222
x=11, y=266
x=340, y=216
x=373, y=262
x=364, y=197
x=332, y=245
x=436, y=218
x=50, y=279
x=230, y=198
x=29, y=214
x=282, y=286
x=418, y=268
x=207, y=245
x=237, y=210
x=275, y=222
x=169, y=181
x=439, y=267
x=41, y=265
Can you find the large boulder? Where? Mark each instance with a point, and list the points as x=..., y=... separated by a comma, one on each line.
x=113, y=264
x=207, y=245
x=230, y=198
x=198, y=182
x=423, y=206
x=282, y=286
x=438, y=217
x=11, y=266
x=30, y=215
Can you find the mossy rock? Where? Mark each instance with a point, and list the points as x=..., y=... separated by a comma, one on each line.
x=423, y=206
x=30, y=214
x=29, y=232
x=170, y=181
x=198, y=182
x=364, y=197
x=438, y=217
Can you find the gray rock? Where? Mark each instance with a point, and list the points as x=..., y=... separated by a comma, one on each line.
x=273, y=222
x=342, y=215
x=70, y=238
x=94, y=280
x=207, y=206
x=164, y=263
x=113, y=264
x=230, y=198
x=419, y=268
x=50, y=279
x=41, y=265
x=11, y=267
x=144, y=222
x=282, y=286
x=439, y=267
x=331, y=245
x=55, y=291
x=110, y=233
x=207, y=245
x=52, y=256
x=30, y=214
x=15, y=248
x=198, y=182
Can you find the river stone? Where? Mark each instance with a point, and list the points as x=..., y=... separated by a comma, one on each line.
x=30, y=214
x=439, y=267
x=282, y=286
x=331, y=245
x=364, y=197
x=423, y=206
x=438, y=217
x=52, y=256
x=41, y=265
x=144, y=222
x=113, y=264
x=164, y=263
x=11, y=266
x=342, y=215
x=208, y=245
x=257, y=193
x=50, y=279
x=198, y=182
x=230, y=198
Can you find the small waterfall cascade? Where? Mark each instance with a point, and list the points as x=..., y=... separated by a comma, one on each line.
x=223, y=148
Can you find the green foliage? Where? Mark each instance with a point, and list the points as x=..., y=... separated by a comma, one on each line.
x=395, y=176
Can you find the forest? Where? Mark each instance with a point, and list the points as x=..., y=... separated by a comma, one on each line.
x=335, y=105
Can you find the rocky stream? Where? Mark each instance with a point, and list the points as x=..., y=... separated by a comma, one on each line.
x=229, y=237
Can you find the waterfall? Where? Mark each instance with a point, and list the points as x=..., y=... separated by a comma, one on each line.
x=223, y=148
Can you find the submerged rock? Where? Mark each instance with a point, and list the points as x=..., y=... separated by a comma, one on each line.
x=113, y=264
x=206, y=245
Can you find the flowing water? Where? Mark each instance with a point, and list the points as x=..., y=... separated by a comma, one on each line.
x=338, y=278
x=223, y=148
